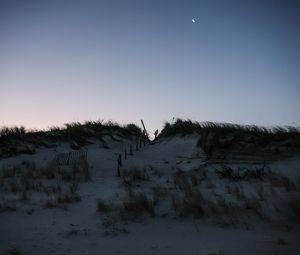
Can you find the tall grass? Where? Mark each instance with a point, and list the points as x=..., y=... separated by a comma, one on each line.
x=218, y=139
x=13, y=131
x=183, y=127
x=15, y=140
x=74, y=129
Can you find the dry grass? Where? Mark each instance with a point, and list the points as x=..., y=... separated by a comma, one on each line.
x=13, y=251
x=26, y=178
x=281, y=181
x=135, y=205
x=255, y=205
x=61, y=200
x=235, y=190
x=182, y=181
x=198, y=176
x=113, y=227
x=18, y=140
x=191, y=204
x=103, y=206
x=159, y=193
x=7, y=207
x=133, y=175
x=294, y=206
x=219, y=139
x=210, y=184
x=260, y=192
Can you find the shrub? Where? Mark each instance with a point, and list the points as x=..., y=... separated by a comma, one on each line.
x=6, y=207
x=255, y=205
x=134, y=174
x=158, y=193
x=135, y=205
x=24, y=195
x=51, y=203
x=68, y=198
x=236, y=191
x=13, y=251
x=74, y=188
x=102, y=206
x=113, y=227
x=295, y=207
x=281, y=181
x=182, y=181
x=192, y=204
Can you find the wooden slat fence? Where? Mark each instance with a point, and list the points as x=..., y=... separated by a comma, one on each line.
x=70, y=158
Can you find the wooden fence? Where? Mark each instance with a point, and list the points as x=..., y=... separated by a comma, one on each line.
x=70, y=158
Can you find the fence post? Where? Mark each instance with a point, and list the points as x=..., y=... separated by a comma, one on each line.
x=119, y=164
x=130, y=150
x=125, y=153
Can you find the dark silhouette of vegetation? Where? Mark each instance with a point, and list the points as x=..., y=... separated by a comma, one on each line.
x=219, y=139
x=184, y=127
x=16, y=140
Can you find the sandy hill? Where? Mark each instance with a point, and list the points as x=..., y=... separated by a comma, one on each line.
x=194, y=190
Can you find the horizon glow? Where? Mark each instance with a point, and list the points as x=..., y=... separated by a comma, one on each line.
x=67, y=61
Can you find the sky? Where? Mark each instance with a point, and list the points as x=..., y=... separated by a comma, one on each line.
x=63, y=61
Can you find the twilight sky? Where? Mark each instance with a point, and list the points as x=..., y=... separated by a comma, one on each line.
x=64, y=61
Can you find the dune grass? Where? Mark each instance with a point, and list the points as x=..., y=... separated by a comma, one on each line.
x=70, y=130
x=183, y=127
x=220, y=139
x=17, y=140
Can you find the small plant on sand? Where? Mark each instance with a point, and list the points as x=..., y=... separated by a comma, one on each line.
x=134, y=174
x=285, y=182
x=135, y=205
x=158, y=193
x=236, y=191
x=112, y=226
x=255, y=205
x=181, y=180
x=7, y=207
x=198, y=176
x=260, y=192
x=103, y=206
x=281, y=241
x=191, y=204
x=13, y=251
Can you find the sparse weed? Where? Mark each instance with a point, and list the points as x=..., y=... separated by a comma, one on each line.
x=24, y=196
x=13, y=251
x=181, y=180
x=7, y=207
x=236, y=191
x=294, y=206
x=255, y=205
x=135, y=205
x=102, y=206
x=24, y=178
x=260, y=192
x=68, y=198
x=113, y=227
x=134, y=174
x=191, y=204
x=210, y=184
x=280, y=181
x=158, y=193
x=281, y=241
